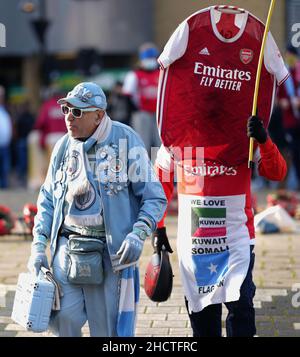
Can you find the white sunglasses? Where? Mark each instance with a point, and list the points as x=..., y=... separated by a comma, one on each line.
x=76, y=112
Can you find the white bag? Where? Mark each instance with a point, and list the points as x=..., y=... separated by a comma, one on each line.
x=35, y=297
x=278, y=216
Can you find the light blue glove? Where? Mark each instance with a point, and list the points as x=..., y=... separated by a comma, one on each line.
x=132, y=247
x=38, y=258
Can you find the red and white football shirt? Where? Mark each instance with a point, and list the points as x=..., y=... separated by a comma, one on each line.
x=214, y=217
x=205, y=98
x=142, y=86
x=207, y=83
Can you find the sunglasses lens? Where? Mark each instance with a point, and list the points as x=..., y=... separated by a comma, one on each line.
x=64, y=109
x=76, y=112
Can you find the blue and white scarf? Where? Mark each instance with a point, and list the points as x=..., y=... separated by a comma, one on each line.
x=84, y=203
x=128, y=301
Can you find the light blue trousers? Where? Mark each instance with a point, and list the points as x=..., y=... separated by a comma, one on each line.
x=97, y=304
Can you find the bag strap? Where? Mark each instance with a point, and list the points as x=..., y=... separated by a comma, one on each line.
x=58, y=292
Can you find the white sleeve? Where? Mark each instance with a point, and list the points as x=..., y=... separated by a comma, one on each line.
x=130, y=84
x=176, y=45
x=164, y=160
x=274, y=62
x=130, y=87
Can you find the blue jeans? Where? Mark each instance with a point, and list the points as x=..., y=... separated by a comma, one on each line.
x=4, y=166
x=240, y=321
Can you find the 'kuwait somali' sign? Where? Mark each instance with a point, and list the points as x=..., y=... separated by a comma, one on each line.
x=209, y=244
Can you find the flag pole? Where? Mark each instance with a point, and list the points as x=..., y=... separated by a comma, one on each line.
x=258, y=73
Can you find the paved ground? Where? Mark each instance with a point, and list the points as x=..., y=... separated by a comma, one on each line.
x=276, y=274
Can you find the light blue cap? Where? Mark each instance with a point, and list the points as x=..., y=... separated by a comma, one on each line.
x=85, y=94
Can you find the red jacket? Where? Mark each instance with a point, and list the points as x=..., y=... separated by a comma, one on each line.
x=50, y=119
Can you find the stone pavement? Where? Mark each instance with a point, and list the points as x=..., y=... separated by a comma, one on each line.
x=276, y=274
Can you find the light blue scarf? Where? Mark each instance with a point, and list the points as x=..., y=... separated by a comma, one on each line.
x=128, y=302
x=84, y=203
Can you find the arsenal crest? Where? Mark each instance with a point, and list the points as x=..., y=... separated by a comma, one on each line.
x=246, y=55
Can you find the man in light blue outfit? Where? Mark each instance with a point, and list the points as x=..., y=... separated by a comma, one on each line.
x=100, y=191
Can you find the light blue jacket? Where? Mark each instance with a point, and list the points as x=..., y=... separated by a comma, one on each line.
x=124, y=203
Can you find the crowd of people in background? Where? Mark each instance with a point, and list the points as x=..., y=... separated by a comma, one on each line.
x=285, y=121
x=5, y=141
x=132, y=102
